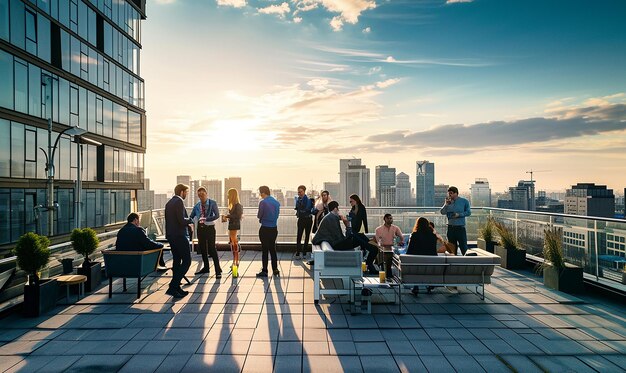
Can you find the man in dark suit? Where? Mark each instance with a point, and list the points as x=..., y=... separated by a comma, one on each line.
x=177, y=223
x=132, y=237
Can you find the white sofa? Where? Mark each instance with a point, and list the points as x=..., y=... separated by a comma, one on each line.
x=331, y=264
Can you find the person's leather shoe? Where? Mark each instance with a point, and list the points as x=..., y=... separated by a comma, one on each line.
x=276, y=273
x=261, y=274
x=162, y=268
x=175, y=293
x=218, y=275
x=203, y=270
x=183, y=292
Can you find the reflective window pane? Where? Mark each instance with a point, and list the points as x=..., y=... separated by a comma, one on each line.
x=21, y=87
x=17, y=23
x=34, y=91
x=17, y=150
x=4, y=19
x=5, y=148
x=43, y=38
x=6, y=76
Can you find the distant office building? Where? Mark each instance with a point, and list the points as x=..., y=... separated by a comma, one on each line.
x=186, y=179
x=231, y=182
x=480, y=193
x=358, y=182
x=291, y=194
x=247, y=198
x=403, y=190
x=425, y=184
x=342, y=196
x=280, y=197
x=145, y=197
x=385, y=186
x=160, y=199
x=76, y=63
x=520, y=197
x=333, y=190
x=441, y=192
x=546, y=204
x=215, y=191
x=589, y=199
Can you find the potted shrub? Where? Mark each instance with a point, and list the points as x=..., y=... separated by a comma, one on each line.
x=512, y=256
x=33, y=254
x=557, y=274
x=486, y=235
x=85, y=242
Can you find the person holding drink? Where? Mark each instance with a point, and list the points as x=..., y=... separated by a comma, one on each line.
x=456, y=208
x=235, y=213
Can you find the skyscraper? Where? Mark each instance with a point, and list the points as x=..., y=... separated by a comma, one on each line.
x=231, y=182
x=520, y=197
x=215, y=191
x=145, y=197
x=186, y=179
x=441, y=192
x=358, y=182
x=342, y=196
x=589, y=199
x=385, y=186
x=480, y=193
x=403, y=190
x=76, y=64
x=333, y=190
x=425, y=184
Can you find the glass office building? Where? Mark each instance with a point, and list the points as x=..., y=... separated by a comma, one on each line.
x=76, y=62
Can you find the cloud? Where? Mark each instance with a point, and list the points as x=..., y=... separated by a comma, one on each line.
x=297, y=19
x=279, y=10
x=233, y=3
x=336, y=23
x=374, y=70
x=387, y=83
x=367, y=30
x=390, y=59
x=458, y=1
x=165, y=2
x=587, y=121
x=347, y=11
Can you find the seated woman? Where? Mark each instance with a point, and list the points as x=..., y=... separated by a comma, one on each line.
x=423, y=241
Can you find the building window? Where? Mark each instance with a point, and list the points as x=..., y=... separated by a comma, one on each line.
x=30, y=18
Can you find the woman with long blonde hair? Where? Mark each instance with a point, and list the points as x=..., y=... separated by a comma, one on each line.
x=235, y=212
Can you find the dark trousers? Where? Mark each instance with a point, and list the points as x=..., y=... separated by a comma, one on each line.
x=181, y=259
x=304, y=226
x=359, y=239
x=206, y=244
x=267, y=236
x=458, y=236
x=344, y=245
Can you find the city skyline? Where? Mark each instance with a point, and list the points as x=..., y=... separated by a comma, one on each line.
x=482, y=88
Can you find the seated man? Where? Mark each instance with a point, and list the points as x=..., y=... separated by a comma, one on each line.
x=132, y=237
x=385, y=233
x=329, y=229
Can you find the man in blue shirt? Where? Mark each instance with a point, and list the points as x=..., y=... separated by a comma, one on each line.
x=207, y=212
x=269, y=209
x=456, y=209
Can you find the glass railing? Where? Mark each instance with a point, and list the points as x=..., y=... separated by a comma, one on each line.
x=596, y=244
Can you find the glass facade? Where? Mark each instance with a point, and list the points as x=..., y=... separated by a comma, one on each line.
x=78, y=63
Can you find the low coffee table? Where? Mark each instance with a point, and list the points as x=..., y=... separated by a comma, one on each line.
x=69, y=280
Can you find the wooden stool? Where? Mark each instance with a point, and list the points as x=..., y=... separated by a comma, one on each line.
x=69, y=280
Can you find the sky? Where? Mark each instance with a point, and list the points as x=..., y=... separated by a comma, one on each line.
x=276, y=92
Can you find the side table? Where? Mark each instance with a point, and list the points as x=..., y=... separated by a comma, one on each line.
x=68, y=280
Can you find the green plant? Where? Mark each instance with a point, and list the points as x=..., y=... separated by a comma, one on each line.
x=32, y=254
x=486, y=231
x=552, y=249
x=85, y=242
x=507, y=238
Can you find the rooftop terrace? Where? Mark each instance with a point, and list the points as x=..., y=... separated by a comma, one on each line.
x=255, y=325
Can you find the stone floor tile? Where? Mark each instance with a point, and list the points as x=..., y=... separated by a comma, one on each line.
x=438, y=333
x=315, y=334
x=335, y=335
x=426, y=348
x=416, y=335
x=491, y=364
x=107, y=363
x=258, y=364
x=236, y=348
x=315, y=348
x=408, y=364
x=619, y=346
x=376, y=364
x=21, y=347
x=601, y=364
x=393, y=335
x=331, y=364
x=561, y=364
x=289, y=348
x=46, y=364
x=498, y=346
x=521, y=363
x=401, y=347
x=185, y=347
x=157, y=347
x=436, y=364
x=342, y=348
x=133, y=347
x=173, y=363
x=371, y=348
x=464, y=363
x=474, y=347
x=263, y=348
x=142, y=363
x=287, y=364
x=215, y=363
x=7, y=362
x=619, y=360
x=360, y=335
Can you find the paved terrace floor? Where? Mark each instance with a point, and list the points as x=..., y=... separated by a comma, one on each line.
x=254, y=325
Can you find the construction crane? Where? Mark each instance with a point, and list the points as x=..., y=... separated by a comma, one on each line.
x=531, y=172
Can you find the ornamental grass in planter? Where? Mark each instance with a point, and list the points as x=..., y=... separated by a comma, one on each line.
x=513, y=257
x=557, y=274
x=486, y=235
x=33, y=255
x=85, y=242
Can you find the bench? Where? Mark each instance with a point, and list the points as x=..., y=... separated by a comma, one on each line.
x=447, y=270
x=331, y=264
x=133, y=264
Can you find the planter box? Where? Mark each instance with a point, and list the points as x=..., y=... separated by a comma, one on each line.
x=94, y=275
x=569, y=279
x=487, y=246
x=512, y=258
x=40, y=298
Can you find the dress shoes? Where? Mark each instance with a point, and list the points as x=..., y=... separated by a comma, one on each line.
x=276, y=273
x=218, y=275
x=175, y=293
x=202, y=271
x=261, y=274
